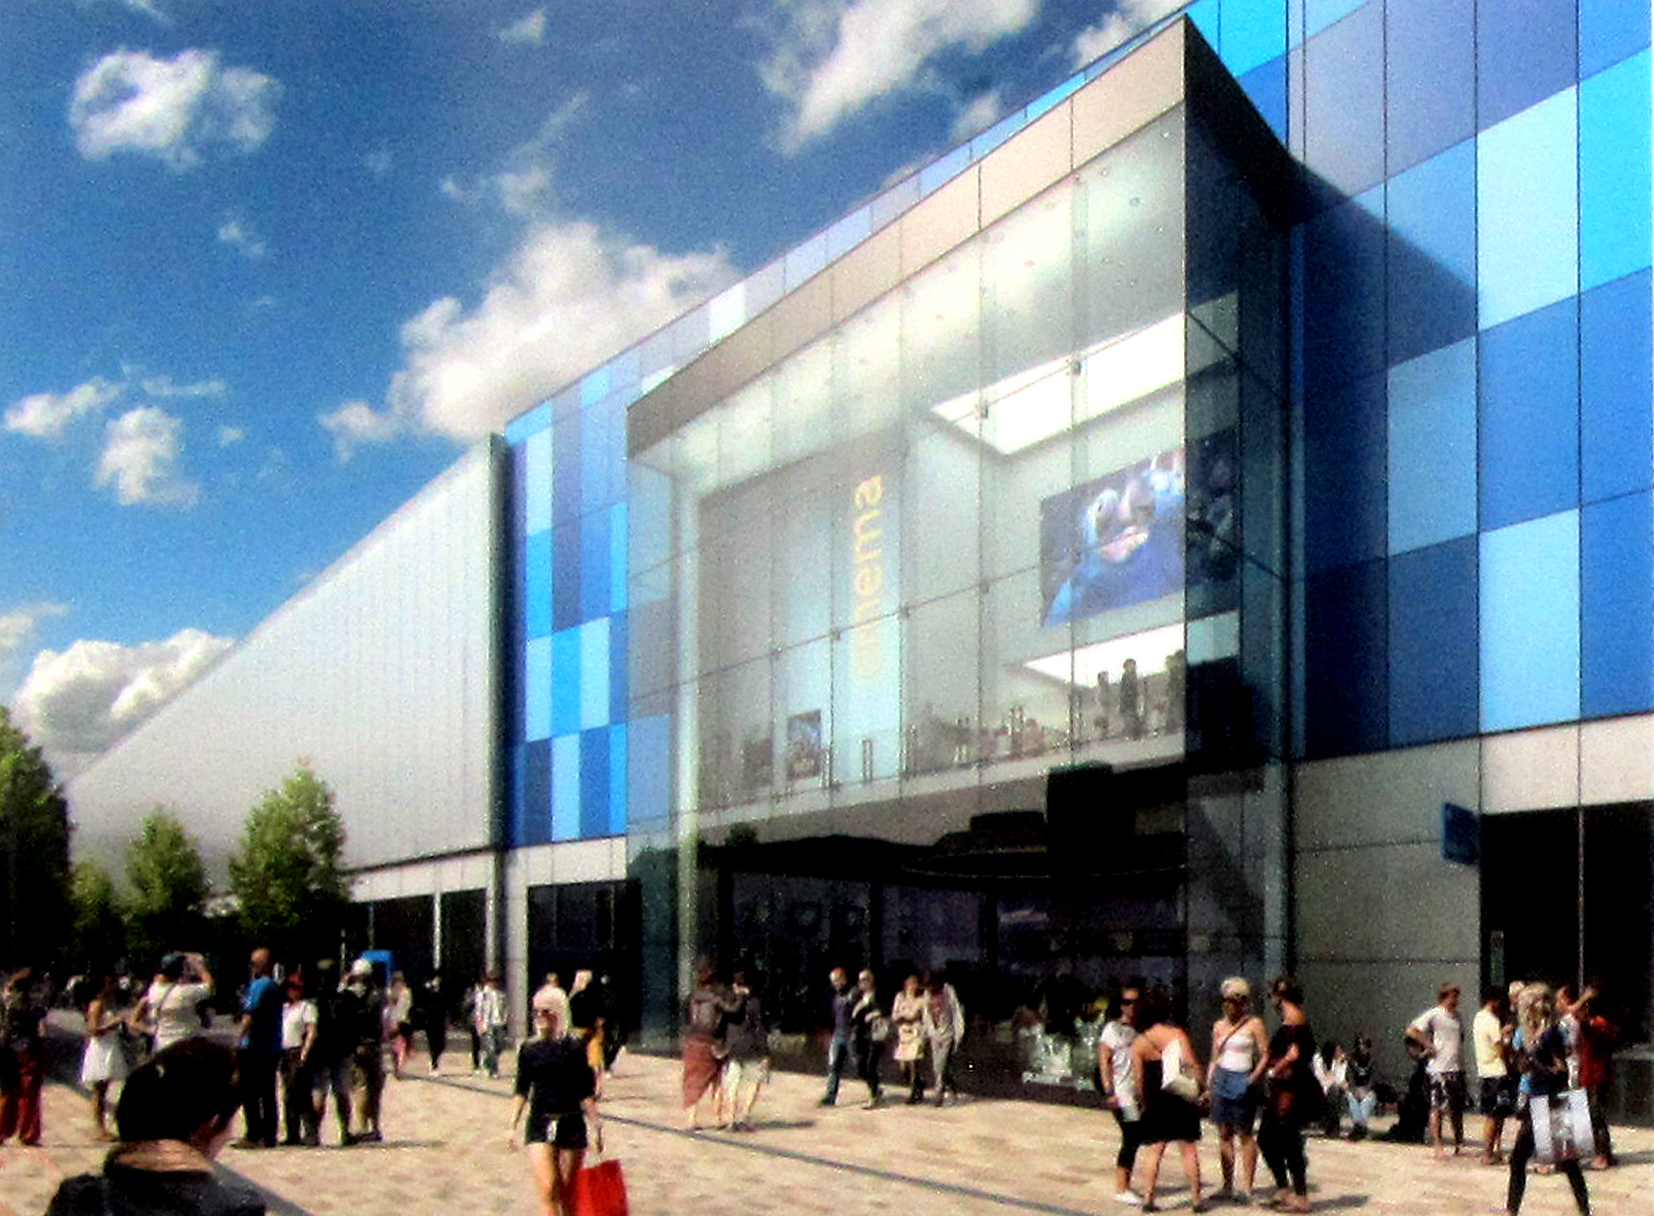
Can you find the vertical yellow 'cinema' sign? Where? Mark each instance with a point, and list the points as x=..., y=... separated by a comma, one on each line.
x=867, y=578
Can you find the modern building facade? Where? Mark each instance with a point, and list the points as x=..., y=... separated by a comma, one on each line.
x=1202, y=525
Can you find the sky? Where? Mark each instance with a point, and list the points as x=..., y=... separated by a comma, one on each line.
x=268, y=267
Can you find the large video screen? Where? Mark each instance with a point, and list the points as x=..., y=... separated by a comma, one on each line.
x=1113, y=541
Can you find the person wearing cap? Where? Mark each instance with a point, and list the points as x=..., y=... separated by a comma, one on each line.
x=168, y=1009
x=363, y=1010
x=1240, y=1054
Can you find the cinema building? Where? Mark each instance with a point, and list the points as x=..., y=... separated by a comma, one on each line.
x=1201, y=526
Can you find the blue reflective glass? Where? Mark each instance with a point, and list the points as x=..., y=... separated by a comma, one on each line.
x=1525, y=51
x=1432, y=447
x=594, y=674
x=619, y=661
x=1527, y=221
x=1431, y=81
x=1433, y=681
x=1250, y=32
x=941, y=171
x=1432, y=266
x=1343, y=307
x=617, y=558
x=1609, y=30
x=594, y=783
x=1318, y=14
x=804, y=262
x=849, y=232
x=594, y=386
x=537, y=689
x=1266, y=86
x=533, y=811
x=1528, y=415
x=617, y=780
x=1345, y=518
x=565, y=682
x=1617, y=609
x=524, y=425
x=594, y=458
x=1204, y=13
x=565, y=787
x=1343, y=138
x=890, y=204
x=1616, y=388
x=1346, y=685
x=536, y=589
x=648, y=769
x=565, y=576
x=565, y=469
x=1530, y=623
x=595, y=548
x=623, y=370
x=1616, y=208
x=1050, y=100
x=536, y=483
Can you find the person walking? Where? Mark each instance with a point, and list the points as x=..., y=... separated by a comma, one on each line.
x=298, y=1044
x=1166, y=1074
x=259, y=1052
x=104, y=1059
x=586, y=1020
x=1437, y=1032
x=399, y=1027
x=22, y=1063
x=489, y=1021
x=907, y=1015
x=431, y=1011
x=334, y=1049
x=1293, y=1100
x=838, y=1045
x=1542, y=1059
x=703, y=1046
x=869, y=1032
x=468, y=1014
x=944, y=1025
x=1120, y=1090
x=747, y=1065
x=1240, y=1054
x=555, y=1085
x=1490, y=1044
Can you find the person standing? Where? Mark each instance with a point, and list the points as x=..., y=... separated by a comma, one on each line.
x=298, y=1043
x=335, y=1046
x=907, y=1015
x=1437, y=1032
x=1120, y=1092
x=259, y=1054
x=22, y=1067
x=399, y=1026
x=489, y=1021
x=1160, y=1055
x=1490, y=1043
x=869, y=1031
x=168, y=1009
x=703, y=1046
x=558, y=1089
x=838, y=1046
x=1542, y=1056
x=431, y=1010
x=944, y=1024
x=364, y=1023
x=104, y=1059
x=1240, y=1054
x=1597, y=1037
x=550, y=995
x=747, y=1066
x=1294, y=1097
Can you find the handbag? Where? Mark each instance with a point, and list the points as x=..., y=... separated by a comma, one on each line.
x=600, y=1190
x=1561, y=1126
x=1173, y=1079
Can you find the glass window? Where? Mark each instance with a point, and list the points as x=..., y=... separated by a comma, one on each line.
x=1528, y=411
x=537, y=688
x=565, y=682
x=1615, y=206
x=1266, y=86
x=1609, y=30
x=1530, y=590
x=1525, y=51
x=533, y=804
x=943, y=465
x=1617, y=625
x=1344, y=102
x=1616, y=386
x=594, y=783
x=1318, y=14
x=648, y=756
x=1433, y=685
x=1343, y=307
x=565, y=787
x=594, y=565
x=1432, y=447
x=1250, y=32
x=565, y=575
x=1346, y=684
x=619, y=667
x=1345, y=441
x=536, y=482
x=565, y=459
x=1432, y=267
x=803, y=708
x=941, y=657
x=594, y=673
x=1431, y=84
x=1527, y=210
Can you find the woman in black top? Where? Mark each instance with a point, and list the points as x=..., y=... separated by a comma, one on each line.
x=1294, y=1097
x=553, y=1069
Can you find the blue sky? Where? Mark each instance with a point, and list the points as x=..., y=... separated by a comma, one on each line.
x=266, y=269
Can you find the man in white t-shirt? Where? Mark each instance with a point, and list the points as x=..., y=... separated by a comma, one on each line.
x=1487, y=1037
x=1120, y=1090
x=1438, y=1032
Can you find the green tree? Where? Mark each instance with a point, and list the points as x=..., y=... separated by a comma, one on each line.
x=287, y=875
x=169, y=889
x=34, y=854
x=97, y=925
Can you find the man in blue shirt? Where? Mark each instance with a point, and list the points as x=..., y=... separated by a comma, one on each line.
x=838, y=1048
x=260, y=1053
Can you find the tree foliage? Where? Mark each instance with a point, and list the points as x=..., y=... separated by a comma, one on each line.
x=97, y=924
x=169, y=890
x=288, y=874
x=34, y=853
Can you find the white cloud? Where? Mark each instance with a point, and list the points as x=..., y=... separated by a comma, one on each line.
x=567, y=299
x=45, y=415
x=145, y=8
x=165, y=386
x=172, y=109
x=378, y=162
x=530, y=31
x=230, y=434
x=977, y=115
x=77, y=702
x=1129, y=17
x=18, y=625
x=141, y=457
x=241, y=238
x=524, y=188
x=832, y=57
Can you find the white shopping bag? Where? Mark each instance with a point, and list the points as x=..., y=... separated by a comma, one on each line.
x=1561, y=1126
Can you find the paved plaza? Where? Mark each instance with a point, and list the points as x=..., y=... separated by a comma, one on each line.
x=446, y=1151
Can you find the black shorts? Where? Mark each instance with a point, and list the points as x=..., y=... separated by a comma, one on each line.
x=560, y=1131
x=1447, y=1092
x=1499, y=1097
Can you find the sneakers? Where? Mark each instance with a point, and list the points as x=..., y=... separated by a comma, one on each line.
x=1131, y=1197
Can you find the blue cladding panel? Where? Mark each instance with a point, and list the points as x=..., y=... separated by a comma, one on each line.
x=565, y=682
x=1433, y=684
x=849, y=232
x=1346, y=687
x=537, y=689
x=617, y=780
x=595, y=549
x=565, y=459
x=1343, y=136
x=1345, y=516
x=565, y=575
x=617, y=557
x=1525, y=51
x=1609, y=30
x=536, y=483
x=1616, y=389
x=1617, y=617
x=1530, y=623
x=1432, y=266
x=1266, y=86
x=942, y=171
x=1250, y=32
x=594, y=783
x=1343, y=308
x=594, y=674
x=594, y=386
x=648, y=769
x=806, y=261
x=1528, y=374
x=594, y=458
x=1318, y=14
x=565, y=787
x=1431, y=84
x=1528, y=210
x=536, y=590
x=1432, y=447
x=534, y=803
x=1615, y=204
x=618, y=651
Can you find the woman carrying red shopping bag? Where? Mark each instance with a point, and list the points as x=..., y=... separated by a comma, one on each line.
x=600, y=1190
x=557, y=1087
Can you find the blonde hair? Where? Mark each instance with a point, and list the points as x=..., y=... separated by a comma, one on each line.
x=1235, y=989
x=1535, y=1010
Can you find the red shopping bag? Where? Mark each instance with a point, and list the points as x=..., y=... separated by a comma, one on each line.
x=600, y=1190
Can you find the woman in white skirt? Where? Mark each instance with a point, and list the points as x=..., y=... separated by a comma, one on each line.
x=105, y=1057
